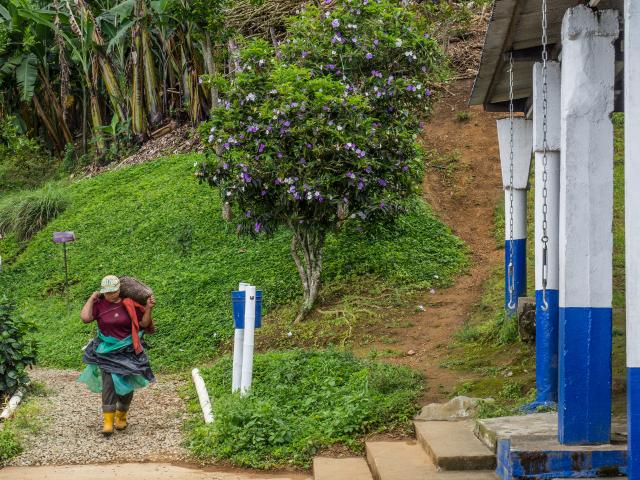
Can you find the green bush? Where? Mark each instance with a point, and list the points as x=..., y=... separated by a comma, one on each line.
x=16, y=351
x=26, y=213
x=23, y=162
x=9, y=445
x=302, y=401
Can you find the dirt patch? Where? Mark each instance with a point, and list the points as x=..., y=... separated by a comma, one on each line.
x=463, y=185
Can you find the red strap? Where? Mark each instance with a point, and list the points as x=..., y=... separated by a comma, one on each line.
x=131, y=306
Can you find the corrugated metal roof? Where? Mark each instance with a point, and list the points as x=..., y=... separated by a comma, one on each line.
x=516, y=26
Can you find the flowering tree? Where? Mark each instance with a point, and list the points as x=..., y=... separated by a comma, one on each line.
x=323, y=130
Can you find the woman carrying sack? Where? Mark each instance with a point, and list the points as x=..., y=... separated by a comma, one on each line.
x=116, y=361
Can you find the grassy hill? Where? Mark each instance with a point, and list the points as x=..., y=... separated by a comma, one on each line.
x=155, y=222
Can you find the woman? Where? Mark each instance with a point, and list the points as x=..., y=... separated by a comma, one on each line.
x=116, y=361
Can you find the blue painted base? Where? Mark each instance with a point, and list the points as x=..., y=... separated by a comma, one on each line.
x=519, y=272
x=584, y=386
x=537, y=406
x=547, y=347
x=633, y=422
x=513, y=463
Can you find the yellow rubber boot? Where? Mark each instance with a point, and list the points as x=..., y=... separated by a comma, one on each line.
x=107, y=428
x=121, y=420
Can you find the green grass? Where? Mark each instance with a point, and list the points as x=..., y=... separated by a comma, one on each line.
x=24, y=422
x=301, y=402
x=155, y=222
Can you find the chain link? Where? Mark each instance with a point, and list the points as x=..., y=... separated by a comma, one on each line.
x=545, y=149
x=510, y=272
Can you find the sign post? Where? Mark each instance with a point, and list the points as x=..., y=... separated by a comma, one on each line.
x=64, y=238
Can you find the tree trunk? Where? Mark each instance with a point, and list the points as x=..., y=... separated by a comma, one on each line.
x=150, y=79
x=53, y=134
x=306, y=250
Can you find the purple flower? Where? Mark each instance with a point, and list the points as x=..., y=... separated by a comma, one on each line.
x=325, y=108
x=426, y=35
x=226, y=145
x=286, y=123
x=411, y=88
x=292, y=189
x=427, y=92
x=263, y=193
x=303, y=161
x=405, y=168
x=369, y=56
x=278, y=181
x=361, y=154
x=257, y=227
x=331, y=66
x=382, y=205
x=246, y=177
x=368, y=169
x=294, y=104
x=382, y=182
x=376, y=42
x=279, y=155
x=252, y=128
x=261, y=148
x=309, y=145
x=225, y=166
x=354, y=40
x=297, y=196
x=304, y=54
x=248, y=214
x=335, y=23
x=351, y=175
x=376, y=73
x=360, y=185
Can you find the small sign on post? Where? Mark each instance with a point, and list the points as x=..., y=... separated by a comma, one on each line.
x=64, y=238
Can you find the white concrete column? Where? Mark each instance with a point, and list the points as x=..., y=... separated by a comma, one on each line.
x=547, y=299
x=632, y=228
x=238, y=342
x=249, y=332
x=586, y=218
x=515, y=245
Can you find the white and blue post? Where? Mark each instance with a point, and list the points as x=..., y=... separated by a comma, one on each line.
x=248, y=344
x=238, y=341
x=515, y=198
x=547, y=266
x=632, y=229
x=586, y=218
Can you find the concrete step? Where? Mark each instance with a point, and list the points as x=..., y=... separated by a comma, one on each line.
x=408, y=461
x=355, y=468
x=454, y=446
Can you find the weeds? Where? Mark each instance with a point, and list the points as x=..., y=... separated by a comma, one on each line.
x=301, y=402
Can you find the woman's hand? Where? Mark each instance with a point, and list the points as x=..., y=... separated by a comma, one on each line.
x=86, y=314
x=151, y=302
x=95, y=296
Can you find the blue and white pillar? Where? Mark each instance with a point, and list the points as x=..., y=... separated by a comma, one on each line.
x=547, y=299
x=519, y=172
x=632, y=228
x=586, y=218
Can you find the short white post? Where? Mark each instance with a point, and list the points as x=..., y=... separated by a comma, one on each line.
x=203, y=395
x=632, y=228
x=249, y=331
x=547, y=298
x=238, y=341
x=515, y=179
x=586, y=220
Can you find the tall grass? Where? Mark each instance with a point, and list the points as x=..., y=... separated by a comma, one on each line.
x=26, y=213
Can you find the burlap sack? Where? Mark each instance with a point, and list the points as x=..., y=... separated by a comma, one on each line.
x=134, y=289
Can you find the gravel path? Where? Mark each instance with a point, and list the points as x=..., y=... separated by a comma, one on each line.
x=72, y=421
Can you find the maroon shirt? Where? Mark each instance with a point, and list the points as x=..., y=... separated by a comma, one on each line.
x=113, y=319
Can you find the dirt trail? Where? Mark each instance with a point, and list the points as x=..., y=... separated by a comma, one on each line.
x=464, y=195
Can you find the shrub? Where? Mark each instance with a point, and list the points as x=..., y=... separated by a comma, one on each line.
x=23, y=162
x=27, y=213
x=324, y=133
x=9, y=445
x=16, y=351
x=302, y=401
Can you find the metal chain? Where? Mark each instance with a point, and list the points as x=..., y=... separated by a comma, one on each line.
x=511, y=279
x=545, y=149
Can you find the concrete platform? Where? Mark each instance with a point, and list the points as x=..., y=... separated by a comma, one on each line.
x=527, y=447
x=355, y=468
x=408, y=461
x=454, y=446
